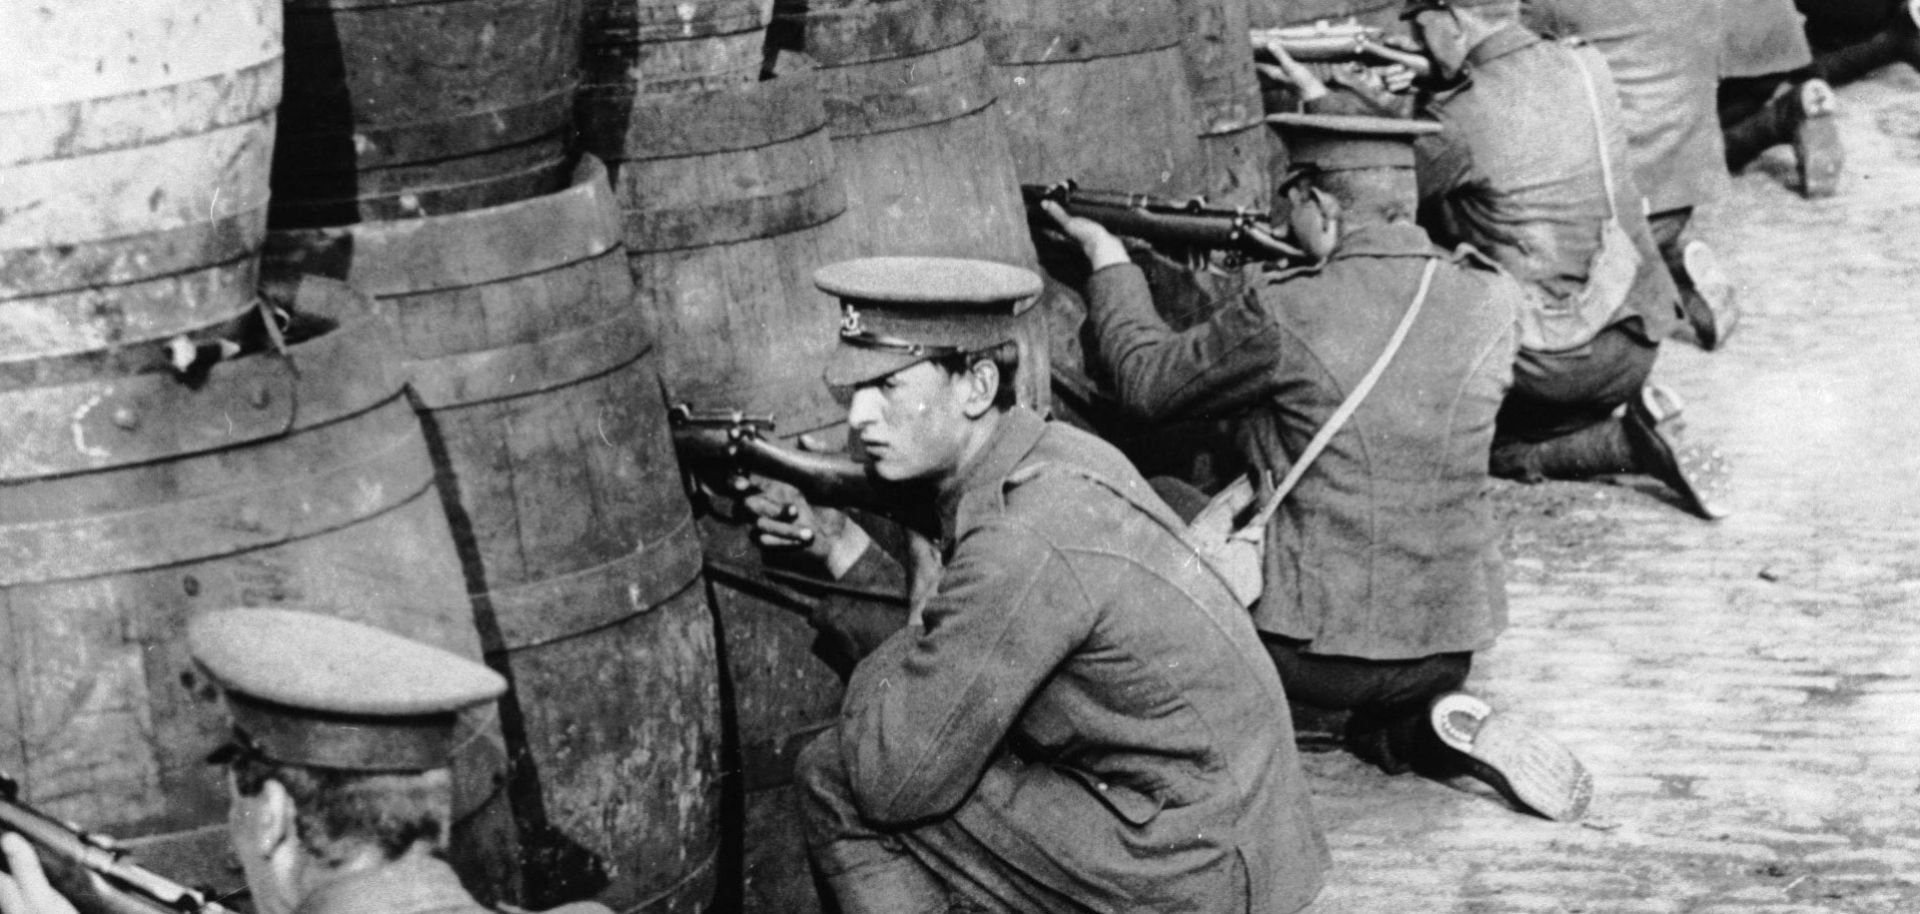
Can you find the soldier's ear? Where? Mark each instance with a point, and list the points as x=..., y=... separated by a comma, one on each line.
x=983, y=387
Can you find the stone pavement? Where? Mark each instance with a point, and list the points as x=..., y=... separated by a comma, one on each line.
x=1747, y=693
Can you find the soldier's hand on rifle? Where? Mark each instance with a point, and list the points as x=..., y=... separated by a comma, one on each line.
x=1103, y=248
x=785, y=522
x=26, y=890
x=1292, y=73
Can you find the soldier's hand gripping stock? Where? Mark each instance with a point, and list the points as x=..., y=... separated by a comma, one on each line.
x=1245, y=234
x=50, y=867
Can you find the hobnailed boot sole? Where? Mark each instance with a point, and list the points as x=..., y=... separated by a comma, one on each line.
x=1712, y=305
x=1816, y=140
x=1531, y=769
x=1698, y=473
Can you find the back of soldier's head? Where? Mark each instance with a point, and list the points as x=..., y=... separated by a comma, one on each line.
x=1365, y=163
x=357, y=724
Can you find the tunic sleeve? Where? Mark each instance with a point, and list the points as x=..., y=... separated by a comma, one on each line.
x=927, y=712
x=1211, y=370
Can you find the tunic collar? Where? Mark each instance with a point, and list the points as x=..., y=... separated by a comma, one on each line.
x=1019, y=431
x=1389, y=239
x=1508, y=39
x=416, y=884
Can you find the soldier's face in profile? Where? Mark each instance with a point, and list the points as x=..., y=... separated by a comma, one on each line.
x=912, y=424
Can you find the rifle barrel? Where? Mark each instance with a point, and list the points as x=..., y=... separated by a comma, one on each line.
x=96, y=879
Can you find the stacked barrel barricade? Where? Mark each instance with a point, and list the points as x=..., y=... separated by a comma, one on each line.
x=175, y=442
x=377, y=307
x=430, y=166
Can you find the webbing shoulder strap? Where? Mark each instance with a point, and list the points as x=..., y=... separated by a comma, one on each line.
x=1599, y=131
x=1256, y=528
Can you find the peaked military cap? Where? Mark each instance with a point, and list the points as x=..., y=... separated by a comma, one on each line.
x=1416, y=7
x=897, y=311
x=308, y=689
x=1337, y=142
x=1496, y=10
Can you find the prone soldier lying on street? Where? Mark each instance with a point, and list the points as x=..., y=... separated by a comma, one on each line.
x=343, y=738
x=1078, y=716
x=1532, y=168
x=1382, y=570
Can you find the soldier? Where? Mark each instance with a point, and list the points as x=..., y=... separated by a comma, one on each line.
x=343, y=737
x=1382, y=568
x=1856, y=37
x=1770, y=94
x=1532, y=169
x=1078, y=717
x=1664, y=56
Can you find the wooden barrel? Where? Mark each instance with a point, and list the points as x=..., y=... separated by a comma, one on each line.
x=725, y=196
x=131, y=500
x=920, y=144
x=1268, y=14
x=537, y=383
x=1096, y=92
x=660, y=47
x=134, y=143
x=1235, y=145
x=399, y=109
x=729, y=194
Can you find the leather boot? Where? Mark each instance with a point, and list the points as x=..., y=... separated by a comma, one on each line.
x=1707, y=295
x=1816, y=138
x=1801, y=114
x=1600, y=449
x=1647, y=439
x=1757, y=133
x=1698, y=473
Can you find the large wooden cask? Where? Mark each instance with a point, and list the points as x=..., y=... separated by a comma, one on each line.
x=918, y=139
x=536, y=381
x=131, y=498
x=661, y=47
x=399, y=109
x=1096, y=92
x=729, y=195
x=1267, y=14
x=134, y=148
x=1235, y=145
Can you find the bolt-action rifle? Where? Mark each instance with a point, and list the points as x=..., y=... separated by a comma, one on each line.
x=732, y=439
x=91, y=870
x=1324, y=42
x=1189, y=223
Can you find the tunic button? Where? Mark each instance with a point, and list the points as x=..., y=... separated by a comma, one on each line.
x=1100, y=785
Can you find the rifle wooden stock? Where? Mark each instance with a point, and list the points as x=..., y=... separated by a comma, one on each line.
x=827, y=480
x=90, y=873
x=1191, y=223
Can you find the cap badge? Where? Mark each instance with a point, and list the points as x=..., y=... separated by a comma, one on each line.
x=850, y=323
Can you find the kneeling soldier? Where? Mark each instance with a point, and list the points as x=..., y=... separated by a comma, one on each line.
x=1079, y=717
x=1382, y=570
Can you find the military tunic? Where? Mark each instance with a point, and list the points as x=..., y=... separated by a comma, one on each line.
x=1762, y=38
x=1516, y=174
x=1084, y=720
x=416, y=884
x=1386, y=549
x=1665, y=59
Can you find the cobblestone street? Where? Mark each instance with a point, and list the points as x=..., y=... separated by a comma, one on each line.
x=1746, y=693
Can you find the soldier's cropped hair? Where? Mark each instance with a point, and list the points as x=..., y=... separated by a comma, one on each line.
x=1379, y=194
x=1005, y=357
x=337, y=812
